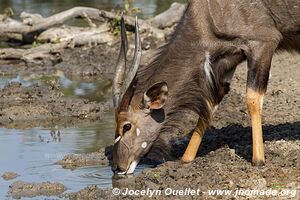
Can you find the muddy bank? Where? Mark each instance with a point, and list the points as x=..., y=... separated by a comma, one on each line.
x=24, y=189
x=224, y=162
x=77, y=62
x=44, y=105
x=86, y=62
x=101, y=157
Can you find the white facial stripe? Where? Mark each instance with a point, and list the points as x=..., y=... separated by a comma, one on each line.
x=122, y=173
x=138, y=132
x=117, y=139
x=144, y=145
x=132, y=167
x=207, y=68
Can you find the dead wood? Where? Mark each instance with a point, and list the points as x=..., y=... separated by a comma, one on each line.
x=34, y=27
x=33, y=22
x=169, y=17
x=38, y=55
x=144, y=26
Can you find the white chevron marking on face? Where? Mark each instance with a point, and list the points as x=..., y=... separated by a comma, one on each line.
x=117, y=139
x=132, y=167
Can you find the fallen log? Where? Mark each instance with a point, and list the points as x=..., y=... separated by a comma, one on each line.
x=77, y=36
x=43, y=54
x=34, y=24
x=130, y=21
x=31, y=23
x=35, y=28
x=169, y=17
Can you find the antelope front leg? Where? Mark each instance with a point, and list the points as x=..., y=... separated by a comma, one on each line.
x=254, y=103
x=259, y=63
x=194, y=143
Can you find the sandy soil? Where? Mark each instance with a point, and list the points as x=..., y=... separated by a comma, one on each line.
x=224, y=159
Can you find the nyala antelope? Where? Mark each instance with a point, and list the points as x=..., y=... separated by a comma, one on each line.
x=194, y=70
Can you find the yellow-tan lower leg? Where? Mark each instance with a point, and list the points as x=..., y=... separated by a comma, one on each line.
x=254, y=103
x=194, y=143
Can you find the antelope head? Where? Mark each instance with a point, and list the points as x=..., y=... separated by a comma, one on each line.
x=138, y=116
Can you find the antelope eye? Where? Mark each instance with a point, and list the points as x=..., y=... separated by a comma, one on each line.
x=126, y=128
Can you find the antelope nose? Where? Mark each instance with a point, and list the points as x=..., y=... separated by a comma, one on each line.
x=114, y=168
x=117, y=169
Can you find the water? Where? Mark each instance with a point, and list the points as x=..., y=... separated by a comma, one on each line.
x=47, y=8
x=32, y=153
x=96, y=90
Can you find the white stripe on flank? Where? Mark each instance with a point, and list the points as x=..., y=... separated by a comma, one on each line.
x=207, y=68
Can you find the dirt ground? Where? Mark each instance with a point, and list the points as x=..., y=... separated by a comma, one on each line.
x=224, y=159
x=43, y=105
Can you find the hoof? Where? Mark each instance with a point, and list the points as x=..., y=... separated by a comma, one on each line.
x=186, y=160
x=258, y=163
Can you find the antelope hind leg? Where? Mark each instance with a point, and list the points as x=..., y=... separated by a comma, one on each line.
x=259, y=63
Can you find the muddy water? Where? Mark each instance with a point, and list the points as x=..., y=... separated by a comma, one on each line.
x=32, y=153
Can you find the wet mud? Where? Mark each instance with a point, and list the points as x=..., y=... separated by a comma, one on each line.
x=24, y=189
x=42, y=105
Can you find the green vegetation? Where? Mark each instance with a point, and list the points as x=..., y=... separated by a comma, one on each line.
x=8, y=12
x=114, y=25
x=130, y=10
x=35, y=44
x=276, y=185
x=156, y=175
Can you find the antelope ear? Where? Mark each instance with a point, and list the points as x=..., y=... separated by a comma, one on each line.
x=156, y=96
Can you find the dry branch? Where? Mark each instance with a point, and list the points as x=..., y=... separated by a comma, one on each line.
x=31, y=23
x=169, y=17
x=78, y=36
x=34, y=27
x=39, y=55
x=130, y=21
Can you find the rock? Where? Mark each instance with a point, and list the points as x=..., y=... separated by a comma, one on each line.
x=72, y=161
x=9, y=175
